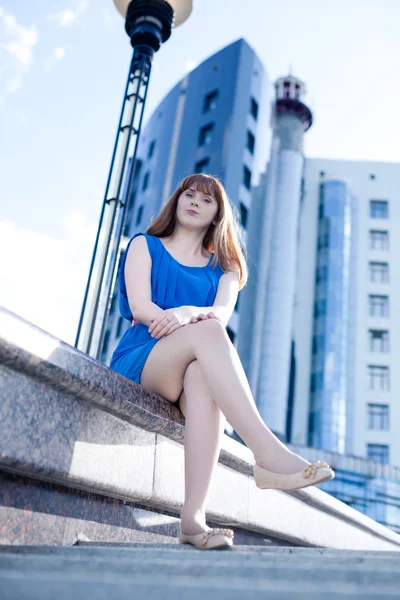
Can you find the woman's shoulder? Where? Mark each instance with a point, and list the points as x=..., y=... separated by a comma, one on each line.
x=141, y=238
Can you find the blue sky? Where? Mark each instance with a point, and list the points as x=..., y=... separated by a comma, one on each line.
x=63, y=67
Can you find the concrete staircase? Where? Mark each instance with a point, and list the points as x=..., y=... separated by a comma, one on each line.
x=91, y=488
x=169, y=571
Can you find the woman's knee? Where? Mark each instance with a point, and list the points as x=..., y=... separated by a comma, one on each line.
x=192, y=372
x=207, y=329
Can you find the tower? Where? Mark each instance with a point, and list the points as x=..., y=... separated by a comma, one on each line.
x=276, y=255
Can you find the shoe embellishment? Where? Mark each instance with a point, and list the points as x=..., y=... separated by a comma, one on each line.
x=228, y=532
x=311, y=469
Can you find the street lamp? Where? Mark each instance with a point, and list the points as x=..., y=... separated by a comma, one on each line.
x=148, y=24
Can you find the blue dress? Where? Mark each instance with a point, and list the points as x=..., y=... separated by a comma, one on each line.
x=172, y=285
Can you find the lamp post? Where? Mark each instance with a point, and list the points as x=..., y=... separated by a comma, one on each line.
x=148, y=24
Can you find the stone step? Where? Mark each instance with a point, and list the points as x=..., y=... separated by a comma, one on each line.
x=111, y=586
x=271, y=548
x=202, y=565
x=239, y=553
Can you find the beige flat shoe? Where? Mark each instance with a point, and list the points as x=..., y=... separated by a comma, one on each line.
x=209, y=540
x=314, y=473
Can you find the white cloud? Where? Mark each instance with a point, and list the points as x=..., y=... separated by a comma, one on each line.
x=83, y=5
x=57, y=55
x=16, y=53
x=44, y=278
x=69, y=16
x=14, y=84
x=64, y=19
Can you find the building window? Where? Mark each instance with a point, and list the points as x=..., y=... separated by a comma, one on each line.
x=323, y=240
x=151, y=149
x=322, y=173
x=318, y=343
x=378, y=306
x=210, y=101
x=243, y=214
x=139, y=214
x=119, y=326
x=145, y=181
x=205, y=134
x=378, y=416
x=320, y=308
x=317, y=381
x=321, y=273
x=231, y=334
x=254, y=108
x=200, y=167
x=250, y=142
x=378, y=340
x=246, y=177
x=379, y=453
x=379, y=272
x=379, y=209
x=378, y=377
x=379, y=240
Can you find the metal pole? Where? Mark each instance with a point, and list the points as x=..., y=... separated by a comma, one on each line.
x=145, y=69
x=148, y=24
x=81, y=338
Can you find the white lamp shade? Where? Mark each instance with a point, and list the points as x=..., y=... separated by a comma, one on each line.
x=181, y=8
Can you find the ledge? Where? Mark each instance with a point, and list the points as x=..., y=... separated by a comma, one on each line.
x=67, y=419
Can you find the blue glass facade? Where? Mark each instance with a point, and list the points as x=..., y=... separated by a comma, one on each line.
x=207, y=123
x=328, y=398
x=376, y=497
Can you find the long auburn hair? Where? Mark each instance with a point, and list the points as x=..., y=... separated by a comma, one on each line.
x=224, y=238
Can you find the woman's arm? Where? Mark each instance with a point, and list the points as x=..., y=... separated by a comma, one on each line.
x=224, y=302
x=137, y=274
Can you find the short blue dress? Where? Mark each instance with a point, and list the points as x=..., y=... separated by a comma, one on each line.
x=172, y=285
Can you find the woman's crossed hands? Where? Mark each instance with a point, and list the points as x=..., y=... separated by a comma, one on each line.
x=173, y=320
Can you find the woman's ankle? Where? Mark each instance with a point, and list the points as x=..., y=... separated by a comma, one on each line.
x=193, y=522
x=285, y=464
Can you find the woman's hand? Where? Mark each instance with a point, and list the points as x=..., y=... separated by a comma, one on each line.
x=173, y=319
x=161, y=326
x=202, y=317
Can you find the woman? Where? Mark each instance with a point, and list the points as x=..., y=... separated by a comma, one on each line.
x=180, y=281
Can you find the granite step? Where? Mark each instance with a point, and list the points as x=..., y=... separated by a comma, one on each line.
x=237, y=554
x=33, y=573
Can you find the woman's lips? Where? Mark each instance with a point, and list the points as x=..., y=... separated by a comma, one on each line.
x=192, y=212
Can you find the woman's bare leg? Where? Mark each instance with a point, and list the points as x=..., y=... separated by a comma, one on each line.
x=204, y=429
x=208, y=342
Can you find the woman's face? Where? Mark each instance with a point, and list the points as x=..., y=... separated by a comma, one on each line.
x=204, y=205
